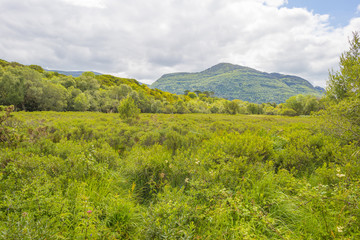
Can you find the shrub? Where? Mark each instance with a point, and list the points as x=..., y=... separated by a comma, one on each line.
x=128, y=109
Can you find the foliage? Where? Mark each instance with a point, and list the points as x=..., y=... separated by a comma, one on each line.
x=86, y=175
x=92, y=175
x=81, y=103
x=303, y=105
x=128, y=109
x=7, y=135
x=345, y=83
x=30, y=88
x=343, y=94
x=231, y=107
x=236, y=82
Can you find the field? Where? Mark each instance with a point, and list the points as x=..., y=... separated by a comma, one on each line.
x=87, y=175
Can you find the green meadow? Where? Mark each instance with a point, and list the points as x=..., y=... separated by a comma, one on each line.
x=91, y=175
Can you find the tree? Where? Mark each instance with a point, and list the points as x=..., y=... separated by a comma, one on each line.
x=343, y=94
x=346, y=82
x=128, y=109
x=37, y=68
x=81, y=103
x=197, y=92
x=181, y=107
x=288, y=112
x=33, y=94
x=87, y=81
x=312, y=104
x=296, y=103
x=11, y=89
x=254, y=108
x=54, y=97
x=192, y=95
x=231, y=107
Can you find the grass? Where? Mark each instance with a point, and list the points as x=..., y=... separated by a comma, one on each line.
x=86, y=175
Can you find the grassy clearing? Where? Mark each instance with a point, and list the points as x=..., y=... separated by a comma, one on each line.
x=92, y=175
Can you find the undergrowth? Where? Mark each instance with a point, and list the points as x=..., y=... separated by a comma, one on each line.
x=95, y=176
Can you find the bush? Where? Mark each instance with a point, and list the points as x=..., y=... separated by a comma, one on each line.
x=128, y=109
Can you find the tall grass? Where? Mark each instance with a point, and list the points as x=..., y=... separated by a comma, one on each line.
x=94, y=176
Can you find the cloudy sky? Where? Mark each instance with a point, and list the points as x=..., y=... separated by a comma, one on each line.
x=145, y=39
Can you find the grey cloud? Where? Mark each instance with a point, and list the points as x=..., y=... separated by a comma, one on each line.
x=146, y=39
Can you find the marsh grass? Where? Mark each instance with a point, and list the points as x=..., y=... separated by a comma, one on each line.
x=192, y=176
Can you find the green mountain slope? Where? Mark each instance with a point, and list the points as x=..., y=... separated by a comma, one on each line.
x=238, y=82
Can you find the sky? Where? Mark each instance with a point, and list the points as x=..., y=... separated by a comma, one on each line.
x=144, y=39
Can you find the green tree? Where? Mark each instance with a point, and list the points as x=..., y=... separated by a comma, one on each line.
x=254, y=108
x=312, y=104
x=87, y=81
x=231, y=107
x=181, y=107
x=54, y=97
x=192, y=95
x=20, y=86
x=288, y=112
x=11, y=89
x=343, y=94
x=67, y=81
x=120, y=92
x=346, y=82
x=81, y=103
x=37, y=68
x=128, y=109
x=156, y=106
x=296, y=103
x=33, y=94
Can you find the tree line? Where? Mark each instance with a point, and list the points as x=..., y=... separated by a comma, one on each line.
x=31, y=88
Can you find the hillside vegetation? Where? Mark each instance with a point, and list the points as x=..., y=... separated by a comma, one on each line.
x=73, y=73
x=30, y=88
x=237, y=82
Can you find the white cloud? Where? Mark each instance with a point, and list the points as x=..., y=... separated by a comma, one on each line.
x=86, y=3
x=146, y=39
x=275, y=3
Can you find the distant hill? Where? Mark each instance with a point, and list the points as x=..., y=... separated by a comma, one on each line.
x=238, y=82
x=72, y=73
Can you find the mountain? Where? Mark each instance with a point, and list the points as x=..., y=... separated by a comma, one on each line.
x=238, y=82
x=72, y=73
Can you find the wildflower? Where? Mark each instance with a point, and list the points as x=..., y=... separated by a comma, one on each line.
x=89, y=211
x=340, y=175
x=24, y=214
x=187, y=180
x=197, y=162
x=162, y=175
x=166, y=161
x=340, y=229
